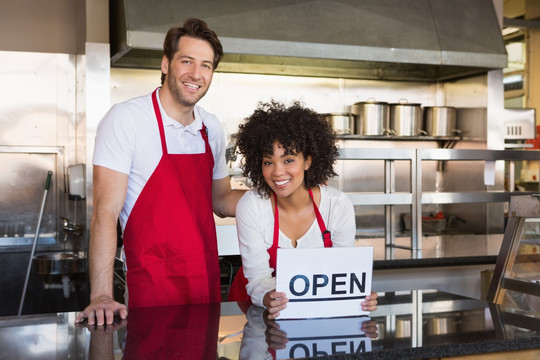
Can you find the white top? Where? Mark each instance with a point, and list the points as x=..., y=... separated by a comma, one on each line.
x=128, y=141
x=255, y=227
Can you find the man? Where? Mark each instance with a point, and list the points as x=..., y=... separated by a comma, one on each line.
x=159, y=166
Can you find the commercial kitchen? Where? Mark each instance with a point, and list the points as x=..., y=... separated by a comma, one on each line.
x=434, y=106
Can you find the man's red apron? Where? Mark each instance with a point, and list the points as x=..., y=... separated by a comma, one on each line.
x=170, y=236
x=173, y=332
x=238, y=291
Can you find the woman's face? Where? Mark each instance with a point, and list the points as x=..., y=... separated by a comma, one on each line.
x=284, y=173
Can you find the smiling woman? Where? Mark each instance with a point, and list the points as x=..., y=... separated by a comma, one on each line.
x=289, y=154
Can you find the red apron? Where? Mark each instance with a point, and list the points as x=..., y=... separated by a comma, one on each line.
x=187, y=332
x=170, y=236
x=238, y=291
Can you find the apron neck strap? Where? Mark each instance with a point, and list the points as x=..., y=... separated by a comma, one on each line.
x=204, y=130
x=160, y=122
x=325, y=233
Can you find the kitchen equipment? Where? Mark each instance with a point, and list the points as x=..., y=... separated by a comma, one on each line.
x=342, y=123
x=440, y=325
x=372, y=117
x=440, y=121
x=57, y=264
x=403, y=328
x=76, y=182
x=47, y=184
x=406, y=118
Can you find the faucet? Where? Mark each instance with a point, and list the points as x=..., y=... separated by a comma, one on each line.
x=73, y=229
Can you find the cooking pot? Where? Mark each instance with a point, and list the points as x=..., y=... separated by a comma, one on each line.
x=342, y=123
x=405, y=119
x=440, y=121
x=440, y=325
x=372, y=117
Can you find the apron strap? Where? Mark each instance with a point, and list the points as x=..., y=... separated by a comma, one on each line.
x=160, y=122
x=327, y=238
x=325, y=233
x=204, y=130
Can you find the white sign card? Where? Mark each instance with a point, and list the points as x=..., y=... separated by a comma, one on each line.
x=324, y=337
x=324, y=282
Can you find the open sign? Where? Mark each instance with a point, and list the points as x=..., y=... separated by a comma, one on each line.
x=324, y=282
x=323, y=337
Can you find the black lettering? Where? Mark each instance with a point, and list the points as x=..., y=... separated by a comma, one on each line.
x=336, y=283
x=317, y=284
x=292, y=352
x=306, y=285
x=354, y=280
x=335, y=347
x=316, y=351
x=361, y=347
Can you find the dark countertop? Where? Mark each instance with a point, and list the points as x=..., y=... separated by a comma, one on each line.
x=437, y=251
x=407, y=325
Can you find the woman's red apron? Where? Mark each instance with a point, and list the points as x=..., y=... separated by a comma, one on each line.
x=170, y=237
x=238, y=291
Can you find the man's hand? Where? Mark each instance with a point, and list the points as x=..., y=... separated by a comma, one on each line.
x=101, y=310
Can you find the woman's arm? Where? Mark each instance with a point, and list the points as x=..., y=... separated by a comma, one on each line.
x=252, y=227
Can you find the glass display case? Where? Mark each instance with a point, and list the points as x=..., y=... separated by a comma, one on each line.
x=516, y=278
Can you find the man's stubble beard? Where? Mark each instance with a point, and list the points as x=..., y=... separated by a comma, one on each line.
x=174, y=88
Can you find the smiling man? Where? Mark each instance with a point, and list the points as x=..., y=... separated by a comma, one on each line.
x=159, y=167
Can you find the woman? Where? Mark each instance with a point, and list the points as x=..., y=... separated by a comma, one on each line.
x=288, y=153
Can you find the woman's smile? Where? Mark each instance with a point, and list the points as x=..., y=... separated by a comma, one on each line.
x=281, y=182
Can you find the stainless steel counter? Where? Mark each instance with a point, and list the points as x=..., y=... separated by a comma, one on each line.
x=407, y=325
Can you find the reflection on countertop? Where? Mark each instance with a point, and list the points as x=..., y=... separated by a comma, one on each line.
x=407, y=325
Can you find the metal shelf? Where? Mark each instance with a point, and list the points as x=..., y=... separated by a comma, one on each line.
x=468, y=197
x=380, y=198
x=417, y=198
x=32, y=149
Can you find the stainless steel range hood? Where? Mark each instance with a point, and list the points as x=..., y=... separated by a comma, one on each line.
x=419, y=40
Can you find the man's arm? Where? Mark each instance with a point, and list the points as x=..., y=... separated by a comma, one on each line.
x=224, y=198
x=109, y=194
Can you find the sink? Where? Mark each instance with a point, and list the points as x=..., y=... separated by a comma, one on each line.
x=58, y=263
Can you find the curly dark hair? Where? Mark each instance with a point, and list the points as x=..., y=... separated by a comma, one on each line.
x=298, y=129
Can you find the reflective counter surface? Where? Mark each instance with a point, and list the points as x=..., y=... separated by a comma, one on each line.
x=407, y=325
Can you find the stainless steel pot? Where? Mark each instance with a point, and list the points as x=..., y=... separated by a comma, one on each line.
x=440, y=121
x=405, y=119
x=442, y=325
x=372, y=117
x=342, y=123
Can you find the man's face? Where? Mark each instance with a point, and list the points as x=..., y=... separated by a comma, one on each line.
x=189, y=72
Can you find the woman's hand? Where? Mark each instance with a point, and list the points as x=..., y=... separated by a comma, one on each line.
x=274, y=302
x=370, y=329
x=275, y=338
x=370, y=303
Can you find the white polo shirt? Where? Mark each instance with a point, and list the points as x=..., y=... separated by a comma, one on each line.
x=128, y=141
